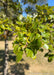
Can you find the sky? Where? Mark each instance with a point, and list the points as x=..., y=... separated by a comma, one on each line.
x=50, y=3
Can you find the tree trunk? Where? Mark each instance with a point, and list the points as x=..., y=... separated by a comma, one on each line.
x=6, y=58
x=6, y=41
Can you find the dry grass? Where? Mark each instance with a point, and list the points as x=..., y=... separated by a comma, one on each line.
x=27, y=66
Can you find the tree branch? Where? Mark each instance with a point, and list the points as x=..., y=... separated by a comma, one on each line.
x=25, y=45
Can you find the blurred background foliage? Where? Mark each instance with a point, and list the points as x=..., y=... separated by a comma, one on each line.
x=33, y=32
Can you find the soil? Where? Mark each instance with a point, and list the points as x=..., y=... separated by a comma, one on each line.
x=27, y=66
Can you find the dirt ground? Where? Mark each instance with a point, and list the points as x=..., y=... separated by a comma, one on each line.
x=27, y=66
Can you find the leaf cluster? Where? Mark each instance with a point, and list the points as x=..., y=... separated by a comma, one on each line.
x=34, y=34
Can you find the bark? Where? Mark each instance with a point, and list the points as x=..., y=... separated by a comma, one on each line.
x=6, y=57
x=5, y=7
x=6, y=42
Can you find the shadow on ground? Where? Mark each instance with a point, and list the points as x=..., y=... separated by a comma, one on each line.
x=1, y=62
x=15, y=69
x=18, y=69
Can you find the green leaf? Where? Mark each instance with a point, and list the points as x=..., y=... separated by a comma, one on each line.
x=32, y=36
x=3, y=27
x=35, y=24
x=29, y=52
x=37, y=36
x=19, y=56
x=38, y=44
x=15, y=49
x=8, y=28
x=24, y=40
x=46, y=46
x=20, y=23
x=50, y=59
x=20, y=35
x=50, y=47
x=45, y=35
